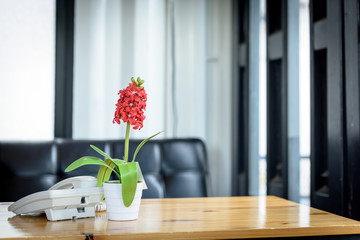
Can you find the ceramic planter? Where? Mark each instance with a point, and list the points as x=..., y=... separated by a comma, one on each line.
x=116, y=209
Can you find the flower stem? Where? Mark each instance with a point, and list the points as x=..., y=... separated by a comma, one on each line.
x=126, y=151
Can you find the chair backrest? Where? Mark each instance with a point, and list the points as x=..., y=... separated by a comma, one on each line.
x=171, y=168
x=26, y=167
x=69, y=150
x=184, y=167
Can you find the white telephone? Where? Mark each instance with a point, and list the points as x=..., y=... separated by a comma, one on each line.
x=74, y=197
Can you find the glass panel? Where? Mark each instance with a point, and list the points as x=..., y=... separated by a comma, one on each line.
x=262, y=101
x=304, y=78
x=262, y=177
x=304, y=101
x=305, y=181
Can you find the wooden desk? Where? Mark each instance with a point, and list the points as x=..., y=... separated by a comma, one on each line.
x=191, y=218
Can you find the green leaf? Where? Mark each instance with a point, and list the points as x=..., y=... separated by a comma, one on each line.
x=118, y=162
x=104, y=173
x=100, y=152
x=142, y=143
x=87, y=160
x=129, y=179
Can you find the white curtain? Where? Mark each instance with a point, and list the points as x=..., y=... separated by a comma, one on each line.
x=114, y=41
x=182, y=50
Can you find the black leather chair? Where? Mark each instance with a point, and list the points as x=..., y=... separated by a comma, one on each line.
x=184, y=168
x=171, y=168
x=26, y=167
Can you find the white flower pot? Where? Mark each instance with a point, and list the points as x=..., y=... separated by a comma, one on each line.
x=115, y=207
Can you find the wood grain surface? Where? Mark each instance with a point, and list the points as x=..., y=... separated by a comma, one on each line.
x=189, y=218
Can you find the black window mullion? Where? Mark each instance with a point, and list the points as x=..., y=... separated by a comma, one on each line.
x=240, y=96
x=64, y=68
x=277, y=144
x=352, y=99
x=327, y=116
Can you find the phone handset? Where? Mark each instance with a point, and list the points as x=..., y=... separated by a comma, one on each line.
x=75, y=182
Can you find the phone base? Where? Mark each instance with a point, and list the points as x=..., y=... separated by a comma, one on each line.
x=71, y=213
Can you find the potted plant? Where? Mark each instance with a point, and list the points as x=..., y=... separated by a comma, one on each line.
x=123, y=195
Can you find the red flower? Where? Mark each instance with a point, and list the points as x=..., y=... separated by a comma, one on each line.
x=131, y=104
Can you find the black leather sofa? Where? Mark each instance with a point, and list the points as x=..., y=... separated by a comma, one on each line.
x=171, y=168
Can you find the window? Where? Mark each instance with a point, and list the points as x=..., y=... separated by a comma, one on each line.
x=27, y=53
